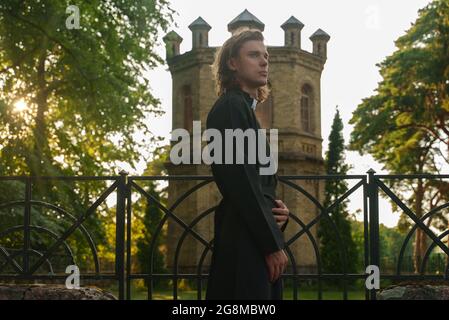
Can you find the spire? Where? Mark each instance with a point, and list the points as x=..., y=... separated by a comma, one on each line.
x=245, y=20
x=320, y=34
x=199, y=23
x=292, y=22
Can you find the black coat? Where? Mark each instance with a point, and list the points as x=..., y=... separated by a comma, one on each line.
x=245, y=227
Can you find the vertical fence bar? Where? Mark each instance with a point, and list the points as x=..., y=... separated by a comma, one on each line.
x=128, y=241
x=26, y=227
x=120, y=234
x=366, y=232
x=373, y=194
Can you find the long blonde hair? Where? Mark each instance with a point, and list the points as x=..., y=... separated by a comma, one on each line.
x=224, y=76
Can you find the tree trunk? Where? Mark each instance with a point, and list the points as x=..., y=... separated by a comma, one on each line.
x=420, y=238
x=39, y=155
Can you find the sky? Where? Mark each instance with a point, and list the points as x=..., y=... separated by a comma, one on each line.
x=362, y=34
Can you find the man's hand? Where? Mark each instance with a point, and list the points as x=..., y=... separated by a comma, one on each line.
x=280, y=213
x=276, y=263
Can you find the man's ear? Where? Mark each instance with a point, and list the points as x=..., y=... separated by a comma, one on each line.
x=231, y=64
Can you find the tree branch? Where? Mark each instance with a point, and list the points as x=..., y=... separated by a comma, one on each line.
x=39, y=28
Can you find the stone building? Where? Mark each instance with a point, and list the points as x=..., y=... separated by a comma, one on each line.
x=293, y=107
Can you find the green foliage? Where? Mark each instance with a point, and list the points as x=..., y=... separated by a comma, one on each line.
x=404, y=124
x=150, y=220
x=411, y=104
x=337, y=249
x=390, y=242
x=84, y=95
x=91, y=96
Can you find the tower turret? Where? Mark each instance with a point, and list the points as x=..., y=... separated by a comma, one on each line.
x=172, y=43
x=319, y=40
x=200, y=33
x=292, y=32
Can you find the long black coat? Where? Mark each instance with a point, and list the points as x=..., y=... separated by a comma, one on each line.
x=245, y=227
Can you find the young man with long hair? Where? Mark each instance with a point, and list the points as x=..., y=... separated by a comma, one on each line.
x=248, y=256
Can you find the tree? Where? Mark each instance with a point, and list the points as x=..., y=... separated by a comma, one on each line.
x=405, y=122
x=331, y=245
x=82, y=88
x=73, y=100
x=150, y=220
x=390, y=242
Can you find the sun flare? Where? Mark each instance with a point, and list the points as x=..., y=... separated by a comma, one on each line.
x=20, y=105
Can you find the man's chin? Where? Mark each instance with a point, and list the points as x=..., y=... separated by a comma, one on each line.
x=259, y=83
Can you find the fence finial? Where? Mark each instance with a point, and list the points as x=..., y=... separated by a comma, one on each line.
x=123, y=172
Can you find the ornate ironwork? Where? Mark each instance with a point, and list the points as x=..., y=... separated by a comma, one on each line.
x=125, y=186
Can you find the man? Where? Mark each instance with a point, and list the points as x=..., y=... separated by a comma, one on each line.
x=248, y=257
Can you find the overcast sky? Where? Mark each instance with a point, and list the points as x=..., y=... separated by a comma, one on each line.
x=362, y=34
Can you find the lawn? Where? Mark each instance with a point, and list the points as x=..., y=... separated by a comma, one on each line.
x=140, y=293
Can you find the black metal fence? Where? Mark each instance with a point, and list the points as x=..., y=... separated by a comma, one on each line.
x=26, y=262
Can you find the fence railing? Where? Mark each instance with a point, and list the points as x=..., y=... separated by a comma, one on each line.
x=30, y=250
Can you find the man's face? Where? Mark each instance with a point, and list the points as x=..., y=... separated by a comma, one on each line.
x=252, y=64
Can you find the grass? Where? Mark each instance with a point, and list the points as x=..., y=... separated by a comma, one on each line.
x=140, y=293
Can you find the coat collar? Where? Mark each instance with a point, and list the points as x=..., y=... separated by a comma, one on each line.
x=251, y=101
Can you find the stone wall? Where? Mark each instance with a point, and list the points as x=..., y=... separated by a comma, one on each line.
x=415, y=292
x=51, y=292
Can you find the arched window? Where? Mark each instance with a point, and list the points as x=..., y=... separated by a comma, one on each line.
x=201, y=39
x=292, y=38
x=306, y=108
x=173, y=48
x=187, y=106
